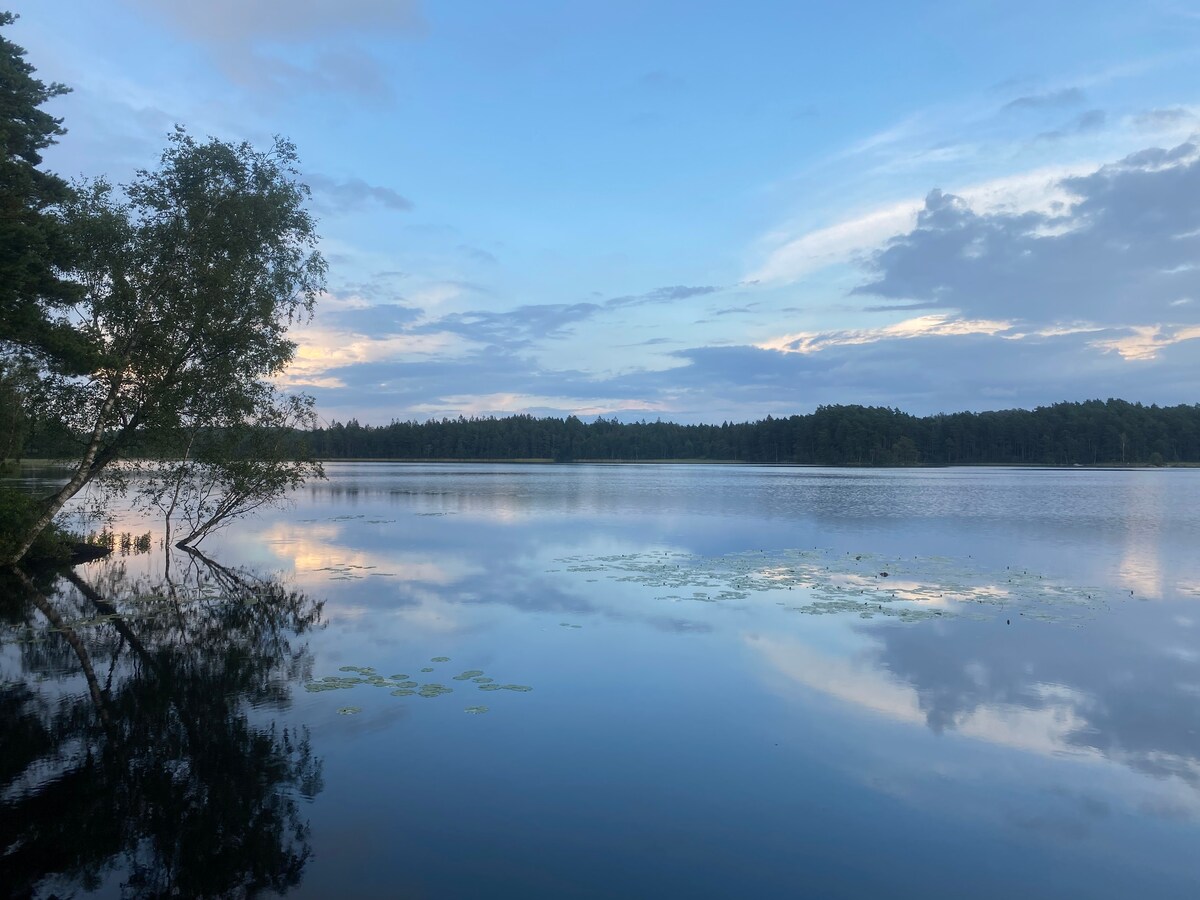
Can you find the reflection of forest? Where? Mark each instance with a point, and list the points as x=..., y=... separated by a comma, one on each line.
x=133, y=745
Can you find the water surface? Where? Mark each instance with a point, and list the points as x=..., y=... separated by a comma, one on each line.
x=702, y=684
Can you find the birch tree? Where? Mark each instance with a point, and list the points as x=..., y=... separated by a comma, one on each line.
x=189, y=278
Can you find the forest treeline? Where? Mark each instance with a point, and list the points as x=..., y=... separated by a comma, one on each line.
x=1095, y=432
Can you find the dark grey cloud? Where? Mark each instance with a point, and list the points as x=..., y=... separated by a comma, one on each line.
x=1122, y=252
x=337, y=196
x=926, y=374
x=1071, y=96
x=514, y=328
x=380, y=286
x=518, y=328
x=902, y=307
x=379, y=319
x=662, y=295
x=652, y=342
x=396, y=388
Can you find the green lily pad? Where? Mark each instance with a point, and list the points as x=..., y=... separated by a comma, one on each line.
x=476, y=710
x=468, y=675
x=440, y=659
x=403, y=692
x=522, y=688
x=483, y=680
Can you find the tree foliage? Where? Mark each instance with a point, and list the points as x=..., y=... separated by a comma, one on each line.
x=1091, y=433
x=190, y=277
x=34, y=251
x=208, y=477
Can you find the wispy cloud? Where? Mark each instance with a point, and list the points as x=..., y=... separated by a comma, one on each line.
x=245, y=36
x=343, y=195
x=237, y=21
x=1146, y=342
x=921, y=326
x=1068, y=96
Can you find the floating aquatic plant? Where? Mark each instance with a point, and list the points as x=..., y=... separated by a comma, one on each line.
x=401, y=685
x=349, y=710
x=440, y=659
x=476, y=710
x=900, y=588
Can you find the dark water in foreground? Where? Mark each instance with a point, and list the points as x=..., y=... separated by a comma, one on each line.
x=702, y=685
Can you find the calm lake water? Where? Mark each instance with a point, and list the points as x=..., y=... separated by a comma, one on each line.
x=704, y=682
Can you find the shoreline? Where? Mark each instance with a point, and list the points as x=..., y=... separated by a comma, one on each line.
x=546, y=461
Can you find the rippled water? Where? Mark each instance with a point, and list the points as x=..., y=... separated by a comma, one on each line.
x=577, y=681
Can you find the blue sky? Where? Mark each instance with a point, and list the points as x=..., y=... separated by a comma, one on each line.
x=693, y=211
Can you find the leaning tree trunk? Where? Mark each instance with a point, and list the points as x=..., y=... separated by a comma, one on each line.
x=91, y=464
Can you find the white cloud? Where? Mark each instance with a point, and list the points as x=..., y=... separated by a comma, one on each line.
x=1147, y=341
x=320, y=349
x=920, y=326
x=795, y=256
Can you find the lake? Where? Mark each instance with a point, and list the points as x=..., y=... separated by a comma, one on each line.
x=623, y=681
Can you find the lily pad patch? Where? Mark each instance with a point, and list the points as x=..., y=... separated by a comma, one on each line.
x=827, y=582
x=401, y=685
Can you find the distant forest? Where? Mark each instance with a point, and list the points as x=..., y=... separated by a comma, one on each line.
x=1096, y=432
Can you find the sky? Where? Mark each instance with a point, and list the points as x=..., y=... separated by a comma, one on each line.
x=693, y=211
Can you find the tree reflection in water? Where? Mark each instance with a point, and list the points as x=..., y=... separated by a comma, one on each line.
x=137, y=746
